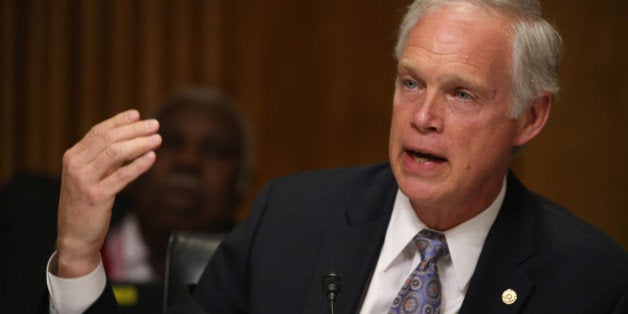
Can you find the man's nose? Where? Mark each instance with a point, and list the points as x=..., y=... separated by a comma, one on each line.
x=428, y=113
x=189, y=156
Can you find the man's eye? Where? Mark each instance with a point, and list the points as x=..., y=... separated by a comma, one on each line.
x=411, y=84
x=463, y=95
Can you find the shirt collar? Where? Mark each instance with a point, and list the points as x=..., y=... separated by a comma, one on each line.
x=464, y=241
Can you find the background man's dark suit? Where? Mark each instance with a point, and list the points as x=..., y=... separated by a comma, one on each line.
x=303, y=225
x=28, y=228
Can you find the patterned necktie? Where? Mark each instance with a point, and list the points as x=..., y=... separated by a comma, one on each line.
x=421, y=292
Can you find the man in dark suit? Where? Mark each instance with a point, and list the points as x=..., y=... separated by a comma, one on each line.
x=441, y=228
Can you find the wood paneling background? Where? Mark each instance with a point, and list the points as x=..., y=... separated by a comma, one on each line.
x=315, y=79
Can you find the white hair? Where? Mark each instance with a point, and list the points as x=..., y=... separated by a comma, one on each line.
x=536, y=46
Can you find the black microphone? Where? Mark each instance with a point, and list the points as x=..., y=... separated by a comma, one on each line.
x=331, y=284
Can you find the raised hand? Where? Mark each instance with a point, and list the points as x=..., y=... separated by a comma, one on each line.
x=111, y=155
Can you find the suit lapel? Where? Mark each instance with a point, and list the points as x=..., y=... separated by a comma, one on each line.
x=510, y=242
x=352, y=247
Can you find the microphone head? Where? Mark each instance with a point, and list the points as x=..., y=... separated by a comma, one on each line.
x=331, y=283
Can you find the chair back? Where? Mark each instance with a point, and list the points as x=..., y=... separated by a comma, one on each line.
x=186, y=258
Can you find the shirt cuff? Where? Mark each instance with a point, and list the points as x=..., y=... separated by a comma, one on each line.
x=75, y=295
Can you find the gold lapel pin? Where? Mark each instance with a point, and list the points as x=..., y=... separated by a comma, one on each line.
x=509, y=296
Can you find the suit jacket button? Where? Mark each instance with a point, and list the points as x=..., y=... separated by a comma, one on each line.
x=509, y=296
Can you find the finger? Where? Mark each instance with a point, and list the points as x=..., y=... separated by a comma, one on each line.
x=98, y=130
x=124, y=175
x=114, y=155
x=99, y=141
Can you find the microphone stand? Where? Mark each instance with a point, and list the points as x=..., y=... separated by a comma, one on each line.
x=331, y=283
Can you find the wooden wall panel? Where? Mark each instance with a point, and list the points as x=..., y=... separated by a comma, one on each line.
x=152, y=61
x=8, y=89
x=183, y=42
x=212, y=38
x=318, y=80
x=68, y=64
x=579, y=159
x=58, y=82
x=122, y=42
x=91, y=59
x=35, y=53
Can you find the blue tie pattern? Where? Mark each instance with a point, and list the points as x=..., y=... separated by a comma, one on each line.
x=421, y=292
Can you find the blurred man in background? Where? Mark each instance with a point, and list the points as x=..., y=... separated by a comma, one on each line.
x=196, y=184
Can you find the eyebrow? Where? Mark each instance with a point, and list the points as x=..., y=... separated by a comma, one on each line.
x=465, y=81
x=406, y=66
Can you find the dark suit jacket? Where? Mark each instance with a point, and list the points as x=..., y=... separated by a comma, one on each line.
x=28, y=216
x=303, y=225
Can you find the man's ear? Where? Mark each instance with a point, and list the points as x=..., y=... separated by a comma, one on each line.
x=533, y=119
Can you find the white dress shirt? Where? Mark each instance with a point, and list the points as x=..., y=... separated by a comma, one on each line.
x=74, y=295
x=399, y=256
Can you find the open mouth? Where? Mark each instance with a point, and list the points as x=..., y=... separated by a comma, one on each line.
x=421, y=157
